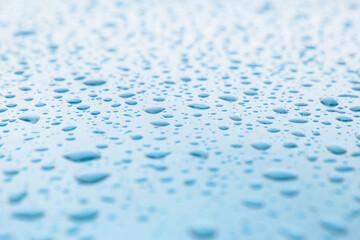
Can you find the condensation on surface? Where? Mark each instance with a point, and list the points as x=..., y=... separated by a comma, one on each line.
x=179, y=120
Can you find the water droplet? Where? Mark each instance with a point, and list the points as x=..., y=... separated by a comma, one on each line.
x=82, y=156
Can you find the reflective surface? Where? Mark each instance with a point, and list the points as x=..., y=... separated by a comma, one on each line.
x=179, y=120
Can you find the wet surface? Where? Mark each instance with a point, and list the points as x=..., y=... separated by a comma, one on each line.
x=179, y=120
